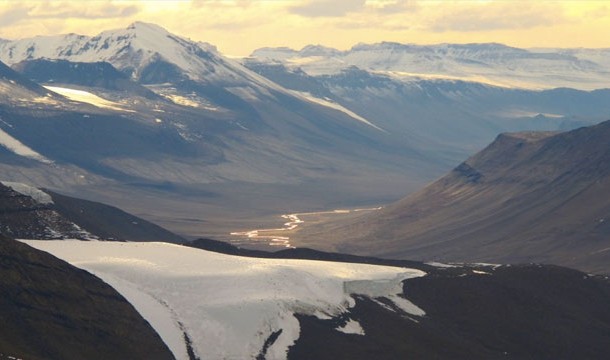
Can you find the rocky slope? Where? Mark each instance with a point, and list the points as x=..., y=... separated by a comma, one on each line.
x=52, y=310
x=527, y=197
x=94, y=75
x=30, y=213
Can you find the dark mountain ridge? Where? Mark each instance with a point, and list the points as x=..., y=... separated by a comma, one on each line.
x=24, y=216
x=97, y=75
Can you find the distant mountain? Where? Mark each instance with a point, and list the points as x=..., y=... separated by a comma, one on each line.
x=446, y=119
x=18, y=88
x=216, y=127
x=52, y=310
x=527, y=197
x=134, y=50
x=492, y=63
x=141, y=116
x=30, y=213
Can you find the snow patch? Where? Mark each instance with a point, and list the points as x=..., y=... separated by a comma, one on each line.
x=333, y=105
x=406, y=305
x=182, y=100
x=85, y=97
x=228, y=305
x=481, y=272
x=440, y=265
x=351, y=327
x=17, y=147
x=38, y=195
x=388, y=288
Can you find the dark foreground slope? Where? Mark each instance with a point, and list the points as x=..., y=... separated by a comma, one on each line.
x=52, y=310
x=109, y=222
x=472, y=312
x=515, y=312
x=527, y=197
x=23, y=216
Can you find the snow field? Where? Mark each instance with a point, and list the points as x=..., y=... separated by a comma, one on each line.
x=227, y=305
x=17, y=147
x=85, y=97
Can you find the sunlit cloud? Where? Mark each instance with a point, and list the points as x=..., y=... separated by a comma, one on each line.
x=87, y=10
x=13, y=15
x=62, y=10
x=237, y=27
x=327, y=8
x=392, y=6
x=503, y=15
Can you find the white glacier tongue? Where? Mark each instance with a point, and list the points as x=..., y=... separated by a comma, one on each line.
x=227, y=305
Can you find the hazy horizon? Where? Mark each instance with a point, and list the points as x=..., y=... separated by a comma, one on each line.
x=237, y=27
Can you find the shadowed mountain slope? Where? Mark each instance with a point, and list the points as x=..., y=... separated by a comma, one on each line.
x=527, y=197
x=52, y=310
x=97, y=75
x=29, y=213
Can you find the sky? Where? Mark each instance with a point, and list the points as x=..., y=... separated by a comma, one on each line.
x=237, y=27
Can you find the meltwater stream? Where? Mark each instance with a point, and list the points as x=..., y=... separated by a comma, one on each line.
x=293, y=222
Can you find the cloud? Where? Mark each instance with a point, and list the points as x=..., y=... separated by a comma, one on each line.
x=13, y=15
x=372, y=23
x=236, y=25
x=26, y=13
x=82, y=10
x=327, y=8
x=497, y=16
x=390, y=7
x=222, y=3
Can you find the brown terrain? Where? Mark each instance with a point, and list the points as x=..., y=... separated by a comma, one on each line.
x=52, y=310
x=527, y=197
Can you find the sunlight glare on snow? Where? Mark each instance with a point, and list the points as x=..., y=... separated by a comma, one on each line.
x=85, y=97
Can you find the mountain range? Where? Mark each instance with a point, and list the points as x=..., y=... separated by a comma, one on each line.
x=491, y=63
x=182, y=136
x=166, y=127
x=177, y=117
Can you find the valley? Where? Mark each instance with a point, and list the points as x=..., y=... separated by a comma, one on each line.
x=161, y=199
x=213, y=138
x=280, y=237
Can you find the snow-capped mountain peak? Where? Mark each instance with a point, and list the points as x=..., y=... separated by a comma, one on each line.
x=136, y=50
x=144, y=27
x=491, y=63
x=140, y=45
